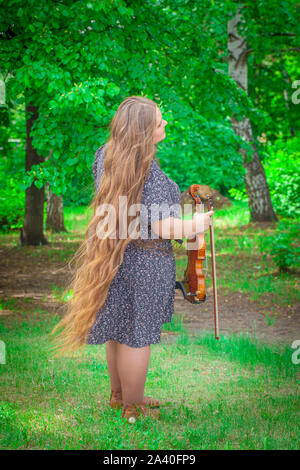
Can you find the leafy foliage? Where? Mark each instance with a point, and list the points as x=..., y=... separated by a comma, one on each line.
x=282, y=170
x=281, y=161
x=283, y=246
x=12, y=195
x=76, y=61
x=12, y=202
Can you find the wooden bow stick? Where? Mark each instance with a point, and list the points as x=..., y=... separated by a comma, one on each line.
x=213, y=262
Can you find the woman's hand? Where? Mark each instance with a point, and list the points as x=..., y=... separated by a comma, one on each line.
x=201, y=221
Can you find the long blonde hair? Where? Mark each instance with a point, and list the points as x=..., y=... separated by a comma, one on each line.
x=128, y=154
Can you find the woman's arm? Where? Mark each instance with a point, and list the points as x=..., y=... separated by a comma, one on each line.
x=174, y=229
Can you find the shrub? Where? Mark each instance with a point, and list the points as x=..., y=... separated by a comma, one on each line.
x=12, y=201
x=282, y=172
x=281, y=162
x=283, y=246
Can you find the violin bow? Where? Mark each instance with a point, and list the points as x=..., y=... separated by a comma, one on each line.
x=213, y=265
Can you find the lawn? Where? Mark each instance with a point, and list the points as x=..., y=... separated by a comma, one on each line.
x=235, y=393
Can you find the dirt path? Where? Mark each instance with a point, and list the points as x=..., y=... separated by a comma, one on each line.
x=26, y=285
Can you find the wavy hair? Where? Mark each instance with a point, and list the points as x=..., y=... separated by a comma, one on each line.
x=129, y=151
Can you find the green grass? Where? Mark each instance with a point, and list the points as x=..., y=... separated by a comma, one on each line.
x=233, y=216
x=77, y=218
x=234, y=393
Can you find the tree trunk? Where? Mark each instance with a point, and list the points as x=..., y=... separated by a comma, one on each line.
x=32, y=230
x=259, y=200
x=55, y=212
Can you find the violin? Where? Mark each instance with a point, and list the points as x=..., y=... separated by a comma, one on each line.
x=193, y=285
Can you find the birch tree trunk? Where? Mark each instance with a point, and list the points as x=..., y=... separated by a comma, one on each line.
x=259, y=200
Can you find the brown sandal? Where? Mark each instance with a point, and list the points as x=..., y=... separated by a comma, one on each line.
x=132, y=412
x=115, y=399
x=117, y=402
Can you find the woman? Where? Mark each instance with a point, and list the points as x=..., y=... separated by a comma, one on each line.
x=123, y=290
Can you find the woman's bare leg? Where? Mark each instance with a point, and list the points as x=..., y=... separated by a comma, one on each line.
x=132, y=367
x=111, y=358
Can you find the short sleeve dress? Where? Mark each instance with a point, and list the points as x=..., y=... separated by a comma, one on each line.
x=141, y=295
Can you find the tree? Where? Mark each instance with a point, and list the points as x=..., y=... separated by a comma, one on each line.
x=53, y=51
x=273, y=65
x=256, y=184
x=79, y=60
x=55, y=211
x=32, y=230
x=55, y=214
